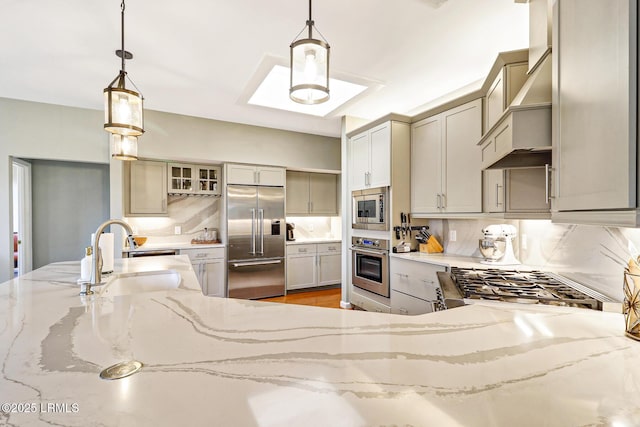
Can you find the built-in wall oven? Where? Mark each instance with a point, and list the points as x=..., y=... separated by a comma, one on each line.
x=370, y=211
x=370, y=269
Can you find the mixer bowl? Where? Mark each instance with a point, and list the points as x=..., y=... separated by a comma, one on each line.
x=492, y=249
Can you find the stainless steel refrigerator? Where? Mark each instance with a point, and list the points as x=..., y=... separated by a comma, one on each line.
x=256, y=235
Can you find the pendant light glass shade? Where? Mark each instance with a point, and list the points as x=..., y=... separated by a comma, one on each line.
x=309, y=71
x=124, y=147
x=123, y=108
x=309, y=82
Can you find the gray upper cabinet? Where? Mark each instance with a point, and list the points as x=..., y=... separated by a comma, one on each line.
x=520, y=193
x=194, y=179
x=595, y=112
x=145, y=188
x=446, y=176
x=370, y=158
x=312, y=194
x=493, y=190
x=323, y=194
x=540, y=14
x=503, y=90
x=255, y=175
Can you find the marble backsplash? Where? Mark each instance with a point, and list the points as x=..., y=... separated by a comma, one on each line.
x=592, y=255
x=191, y=213
x=310, y=227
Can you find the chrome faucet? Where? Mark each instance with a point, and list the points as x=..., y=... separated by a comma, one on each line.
x=96, y=260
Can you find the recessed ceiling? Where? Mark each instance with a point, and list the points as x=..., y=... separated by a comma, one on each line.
x=273, y=92
x=199, y=58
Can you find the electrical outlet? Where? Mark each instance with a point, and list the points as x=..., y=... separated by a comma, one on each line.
x=177, y=229
x=523, y=241
x=453, y=236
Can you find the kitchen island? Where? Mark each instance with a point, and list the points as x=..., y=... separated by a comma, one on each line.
x=215, y=361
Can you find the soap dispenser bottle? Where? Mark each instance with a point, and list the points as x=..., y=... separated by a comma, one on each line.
x=85, y=264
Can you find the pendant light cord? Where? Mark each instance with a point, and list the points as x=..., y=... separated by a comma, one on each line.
x=122, y=32
x=309, y=22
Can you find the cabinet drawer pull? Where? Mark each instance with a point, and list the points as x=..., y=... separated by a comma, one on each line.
x=405, y=276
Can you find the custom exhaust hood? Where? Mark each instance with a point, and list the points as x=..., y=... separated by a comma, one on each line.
x=521, y=136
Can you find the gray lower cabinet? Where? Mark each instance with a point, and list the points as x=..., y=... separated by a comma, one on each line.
x=367, y=304
x=301, y=266
x=414, y=286
x=209, y=266
x=313, y=264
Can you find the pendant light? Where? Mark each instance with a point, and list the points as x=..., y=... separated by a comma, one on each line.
x=309, y=79
x=123, y=108
x=124, y=147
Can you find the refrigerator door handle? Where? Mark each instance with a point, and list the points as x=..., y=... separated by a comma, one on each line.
x=253, y=232
x=249, y=264
x=261, y=219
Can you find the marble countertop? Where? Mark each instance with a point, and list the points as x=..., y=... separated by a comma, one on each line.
x=214, y=361
x=456, y=261
x=183, y=245
x=314, y=240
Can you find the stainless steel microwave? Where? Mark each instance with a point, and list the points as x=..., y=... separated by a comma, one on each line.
x=370, y=210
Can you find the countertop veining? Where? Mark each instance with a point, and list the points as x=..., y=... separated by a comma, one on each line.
x=215, y=361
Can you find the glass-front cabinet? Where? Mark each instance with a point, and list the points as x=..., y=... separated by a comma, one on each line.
x=180, y=178
x=208, y=179
x=194, y=179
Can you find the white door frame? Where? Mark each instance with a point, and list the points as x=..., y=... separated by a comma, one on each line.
x=21, y=174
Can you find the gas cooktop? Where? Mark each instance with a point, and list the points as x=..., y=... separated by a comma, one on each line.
x=529, y=287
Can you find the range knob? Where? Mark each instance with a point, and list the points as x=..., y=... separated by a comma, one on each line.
x=376, y=243
x=359, y=241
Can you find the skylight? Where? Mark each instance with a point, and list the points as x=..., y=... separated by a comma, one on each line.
x=273, y=92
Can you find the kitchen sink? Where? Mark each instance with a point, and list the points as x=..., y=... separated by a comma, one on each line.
x=133, y=283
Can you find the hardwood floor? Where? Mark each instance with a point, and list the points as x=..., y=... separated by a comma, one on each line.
x=329, y=298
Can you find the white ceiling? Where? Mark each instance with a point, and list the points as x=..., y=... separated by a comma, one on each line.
x=201, y=57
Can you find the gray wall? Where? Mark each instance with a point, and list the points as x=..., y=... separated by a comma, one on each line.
x=55, y=132
x=69, y=200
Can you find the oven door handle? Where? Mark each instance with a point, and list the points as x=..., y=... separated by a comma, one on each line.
x=365, y=251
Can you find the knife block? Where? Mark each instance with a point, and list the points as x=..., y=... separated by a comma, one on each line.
x=432, y=246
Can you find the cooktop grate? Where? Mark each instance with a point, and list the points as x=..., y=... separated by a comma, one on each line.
x=530, y=287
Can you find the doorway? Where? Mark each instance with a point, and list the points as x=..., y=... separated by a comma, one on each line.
x=69, y=200
x=21, y=218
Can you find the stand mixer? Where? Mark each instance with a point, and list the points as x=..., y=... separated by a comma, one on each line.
x=496, y=246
